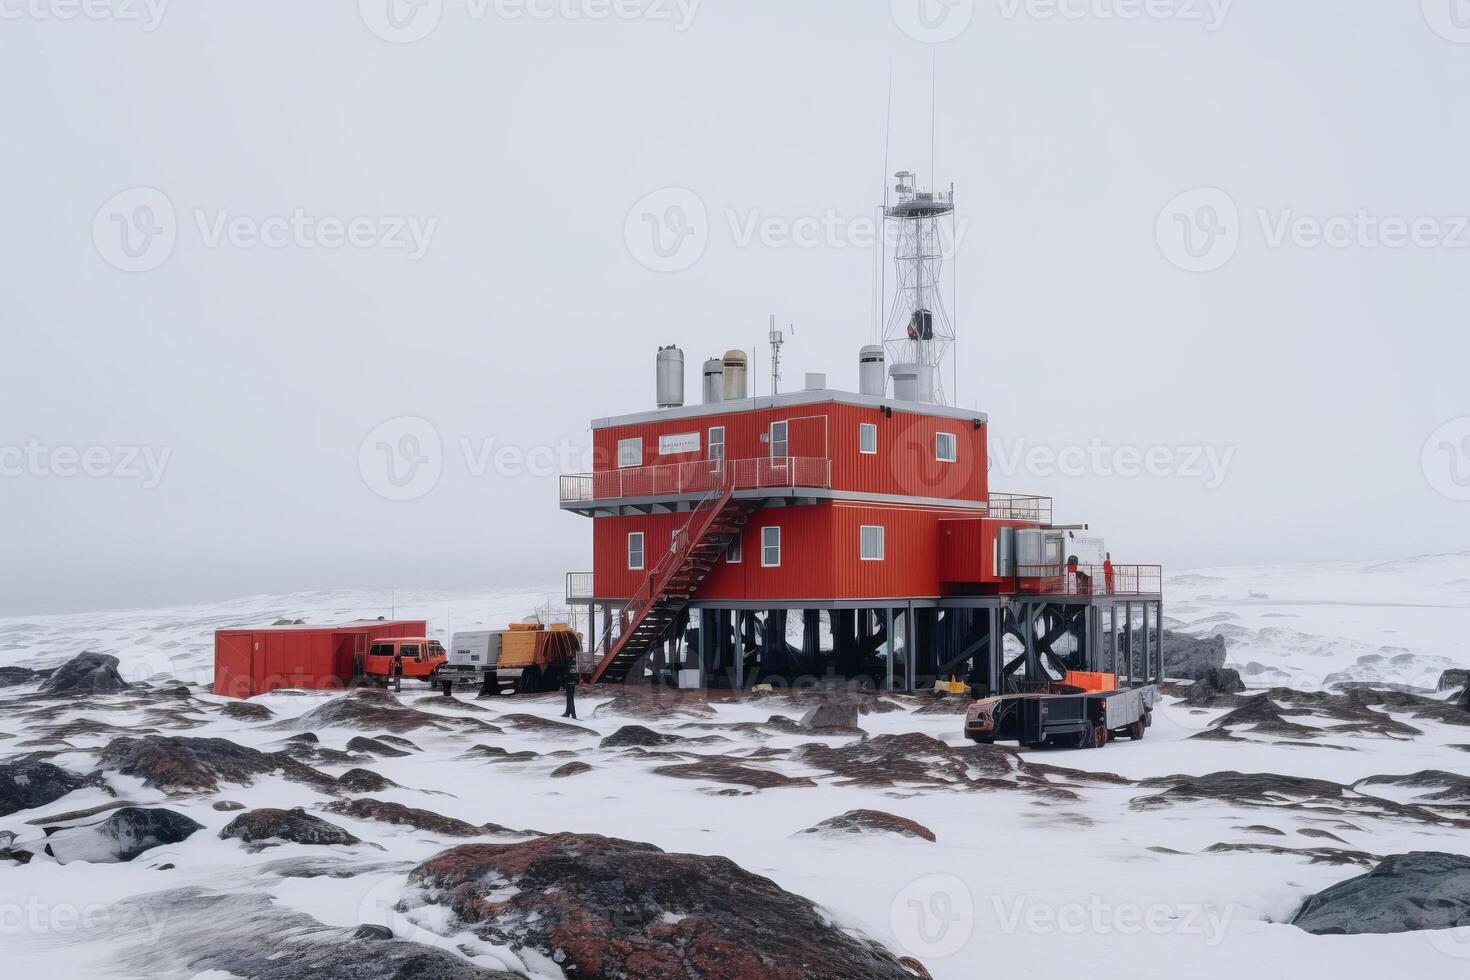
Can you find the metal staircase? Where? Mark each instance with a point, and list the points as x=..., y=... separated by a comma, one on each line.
x=672, y=583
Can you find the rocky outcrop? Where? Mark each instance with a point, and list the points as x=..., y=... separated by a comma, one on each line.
x=24, y=785
x=570, y=769
x=374, y=709
x=1454, y=679
x=871, y=822
x=372, y=746
x=630, y=736
x=296, y=826
x=835, y=712
x=732, y=771
x=425, y=820
x=247, y=711
x=607, y=908
x=1189, y=657
x=16, y=676
x=1213, y=685
x=364, y=781
x=1406, y=893
x=180, y=764
x=87, y=673
x=251, y=935
x=124, y=835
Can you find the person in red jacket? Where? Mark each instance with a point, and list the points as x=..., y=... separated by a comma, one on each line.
x=1108, y=572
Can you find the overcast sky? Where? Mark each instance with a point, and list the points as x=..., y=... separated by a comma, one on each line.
x=244, y=244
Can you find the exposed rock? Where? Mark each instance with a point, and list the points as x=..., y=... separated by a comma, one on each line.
x=731, y=771
x=122, y=836
x=1319, y=797
x=251, y=935
x=228, y=806
x=608, y=908
x=536, y=725
x=364, y=781
x=1406, y=893
x=946, y=704
x=425, y=820
x=1190, y=657
x=247, y=711
x=1262, y=829
x=837, y=711
x=177, y=764
x=871, y=821
x=1453, y=787
x=1320, y=834
x=1214, y=683
x=24, y=785
x=296, y=826
x=495, y=753
x=372, y=708
x=638, y=735
x=1317, y=855
x=570, y=769
x=73, y=816
x=15, y=676
x=912, y=759
x=372, y=746
x=655, y=704
x=1450, y=680
x=87, y=673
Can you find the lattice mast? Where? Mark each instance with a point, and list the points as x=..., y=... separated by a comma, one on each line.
x=918, y=332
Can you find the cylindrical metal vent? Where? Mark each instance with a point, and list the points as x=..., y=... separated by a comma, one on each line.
x=871, y=376
x=735, y=387
x=714, y=381
x=670, y=377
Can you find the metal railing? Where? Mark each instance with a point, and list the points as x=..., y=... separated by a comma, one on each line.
x=1090, y=579
x=579, y=586
x=1020, y=507
x=699, y=477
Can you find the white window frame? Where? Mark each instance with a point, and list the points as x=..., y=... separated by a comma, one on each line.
x=642, y=551
x=882, y=542
x=954, y=444
x=866, y=429
x=785, y=439
x=635, y=444
x=765, y=548
x=735, y=550
x=713, y=442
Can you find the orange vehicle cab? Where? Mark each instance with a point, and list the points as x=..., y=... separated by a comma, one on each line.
x=421, y=657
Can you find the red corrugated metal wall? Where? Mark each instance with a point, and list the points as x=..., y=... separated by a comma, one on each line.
x=820, y=549
x=904, y=464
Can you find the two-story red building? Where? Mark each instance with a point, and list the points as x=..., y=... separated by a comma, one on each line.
x=826, y=534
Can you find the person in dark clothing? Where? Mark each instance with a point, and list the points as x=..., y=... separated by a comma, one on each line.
x=569, y=683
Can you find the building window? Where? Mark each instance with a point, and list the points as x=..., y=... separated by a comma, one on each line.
x=778, y=440
x=770, y=547
x=630, y=452
x=734, y=551
x=870, y=542
x=945, y=447
x=635, y=551
x=868, y=439
x=717, y=442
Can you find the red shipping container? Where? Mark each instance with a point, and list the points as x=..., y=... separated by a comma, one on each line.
x=256, y=660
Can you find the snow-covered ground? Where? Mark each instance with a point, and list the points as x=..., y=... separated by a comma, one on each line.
x=1080, y=880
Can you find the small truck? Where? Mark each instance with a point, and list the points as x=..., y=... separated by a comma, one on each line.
x=418, y=657
x=526, y=657
x=1083, y=710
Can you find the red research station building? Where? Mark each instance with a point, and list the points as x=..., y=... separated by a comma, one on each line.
x=824, y=534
